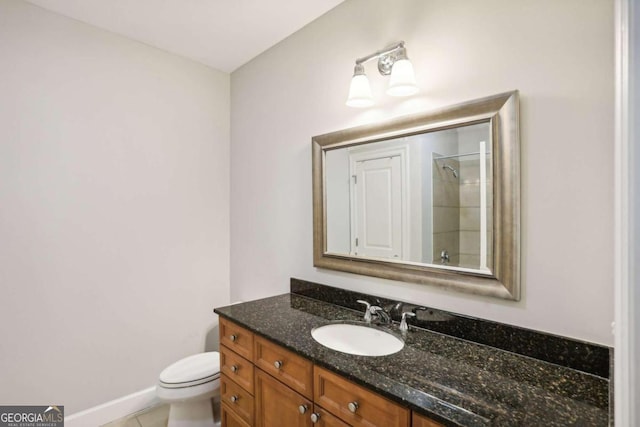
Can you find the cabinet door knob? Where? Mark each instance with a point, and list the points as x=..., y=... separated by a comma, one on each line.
x=315, y=417
x=233, y=337
x=302, y=408
x=234, y=368
x=353, y=407
x=278, y=364
x=233, y=398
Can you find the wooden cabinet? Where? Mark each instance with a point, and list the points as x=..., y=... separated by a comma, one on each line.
x=237, y=399
x=265, y=385
x=354, y=404
x=278, y=405
x=237, y=375
x=418, y=420
x=230, y=419
x=286, y=366
x=236, y=338
x=322, y=418
x=237, y=368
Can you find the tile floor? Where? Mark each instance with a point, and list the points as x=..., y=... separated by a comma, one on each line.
x=155, y=416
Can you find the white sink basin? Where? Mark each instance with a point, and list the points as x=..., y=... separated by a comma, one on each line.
x=361, y=340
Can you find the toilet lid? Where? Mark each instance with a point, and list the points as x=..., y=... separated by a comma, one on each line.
x=199, y=367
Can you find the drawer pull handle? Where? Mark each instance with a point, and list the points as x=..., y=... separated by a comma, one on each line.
x=233, y=398
x=278, y=364
x=353, y=407
x=302, y=408
x=233, y=337
x=234, y=368
x=315, y=417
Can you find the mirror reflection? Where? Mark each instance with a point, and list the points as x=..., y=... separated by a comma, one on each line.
x=423, y=199
x=431, y=198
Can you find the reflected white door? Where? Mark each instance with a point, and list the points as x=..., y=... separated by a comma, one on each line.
x=377, y=186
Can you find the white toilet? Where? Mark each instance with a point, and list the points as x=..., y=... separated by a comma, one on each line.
x=190, y=385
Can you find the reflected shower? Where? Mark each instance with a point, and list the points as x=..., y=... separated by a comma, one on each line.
x=454, y=171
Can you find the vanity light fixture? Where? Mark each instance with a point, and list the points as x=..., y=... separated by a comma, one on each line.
x=391, y=61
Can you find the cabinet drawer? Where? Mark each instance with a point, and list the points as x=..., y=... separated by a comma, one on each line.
x=237, y=399
x=288, y=367
x=335, y=394
x=237, y=368
x=231, y=419
x=236, y=338
x=422, y=421
x=279, y=406
x=325, y=419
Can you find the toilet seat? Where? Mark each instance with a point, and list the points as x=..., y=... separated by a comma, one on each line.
x=190, y=386
x=195, y=377
x=190, y=383
x=191, y=371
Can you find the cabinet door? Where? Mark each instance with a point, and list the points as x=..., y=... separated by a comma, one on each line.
x=230, y=419
x=322, y=418
x=422, y=421
x=276, y=405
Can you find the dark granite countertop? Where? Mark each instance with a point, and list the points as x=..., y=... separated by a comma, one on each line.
x=456, y=382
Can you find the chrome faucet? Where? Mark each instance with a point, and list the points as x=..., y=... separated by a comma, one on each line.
x=382, y=315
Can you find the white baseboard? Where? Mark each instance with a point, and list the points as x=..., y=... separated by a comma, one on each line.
x=113, y=410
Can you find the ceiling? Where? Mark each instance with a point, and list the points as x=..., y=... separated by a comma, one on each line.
x=223, y=34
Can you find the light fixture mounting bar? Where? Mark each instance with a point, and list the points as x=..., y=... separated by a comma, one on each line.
x=393, y=62
x=380, y=53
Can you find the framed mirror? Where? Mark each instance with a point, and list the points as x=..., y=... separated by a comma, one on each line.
x=432, y=198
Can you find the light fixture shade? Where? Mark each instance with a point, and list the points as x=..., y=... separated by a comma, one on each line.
x=360, y=92
x=402, y=81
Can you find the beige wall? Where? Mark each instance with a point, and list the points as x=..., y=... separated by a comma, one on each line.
x=559, y=54
x=114, y=212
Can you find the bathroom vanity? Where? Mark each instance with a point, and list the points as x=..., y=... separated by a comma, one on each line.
x=279, y=387
x=275, y=374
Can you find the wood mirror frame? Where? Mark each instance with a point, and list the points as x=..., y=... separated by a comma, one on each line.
x=501, y=111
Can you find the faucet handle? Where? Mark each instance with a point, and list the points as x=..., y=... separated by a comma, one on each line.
x=404, y=327
x=375, y=309
x=367, y=310
x=421, y=308
x=381, y=314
